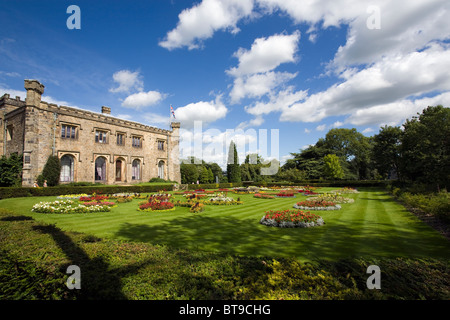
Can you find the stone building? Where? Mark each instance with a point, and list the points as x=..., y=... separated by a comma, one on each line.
x=92, y=147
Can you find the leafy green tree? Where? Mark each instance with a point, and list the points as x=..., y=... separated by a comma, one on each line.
x=233, y=169
x=11, y=170
x=425, y=147
x=51, y=172
x=204, y=175
x=332, y=167
x=352, y=147
x=386, y=151
x=189, y=173
x=292, y=174
x=216, y=171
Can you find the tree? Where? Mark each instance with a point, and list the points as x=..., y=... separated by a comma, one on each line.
x=189, y=173
x=425, y=147
x=386, y=151
x=216, y=171
x=11, y=170
x=332, y=168
x=51, y=172
x=204, y=175
x=292, y=174
x=353, y=148
x=233, y=169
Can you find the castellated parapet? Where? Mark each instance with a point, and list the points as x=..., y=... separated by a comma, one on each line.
x=92, y=147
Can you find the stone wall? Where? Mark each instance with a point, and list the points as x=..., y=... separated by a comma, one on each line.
x=39, y=134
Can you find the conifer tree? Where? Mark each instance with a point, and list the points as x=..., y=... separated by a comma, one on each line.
x=233, y=169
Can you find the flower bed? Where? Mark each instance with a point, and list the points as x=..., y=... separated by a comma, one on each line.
x=263, y=196
x=93, y=198
x=333, y=197
x=68, y=206
x=345, y=190
x=316, y=205
x=285, y=194
x=156, y=205
x=291, y=219
x=197, y=207
x=95, y=203
x=72, y=196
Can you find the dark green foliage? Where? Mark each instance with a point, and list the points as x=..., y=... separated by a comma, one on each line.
x=34, y=258
x=11, y=170
x=233, y=168
x=51, y=172
x=189, y=173
x=68, y=189
x=386, y=151
x=425, y=147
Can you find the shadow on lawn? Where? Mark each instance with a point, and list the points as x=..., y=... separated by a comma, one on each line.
x=333, y=241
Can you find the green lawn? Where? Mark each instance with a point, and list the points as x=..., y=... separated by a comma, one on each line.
x=373, y=226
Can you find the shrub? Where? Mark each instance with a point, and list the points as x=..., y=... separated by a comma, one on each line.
x=51, y=172
x=291, y=219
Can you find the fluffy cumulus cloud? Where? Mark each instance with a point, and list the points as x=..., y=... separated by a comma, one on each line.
x=201, y=21
x=127, y=81
x=204, y=111
x=393, y=63
x=132, y=83
x=386, y=83
x=141, y=100
x=255, y=76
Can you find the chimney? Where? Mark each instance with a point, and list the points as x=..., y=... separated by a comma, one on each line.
x=106, y=110
x=34, y=92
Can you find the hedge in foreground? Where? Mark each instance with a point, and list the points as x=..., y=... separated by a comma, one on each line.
x=62, y=189
x=34, y=258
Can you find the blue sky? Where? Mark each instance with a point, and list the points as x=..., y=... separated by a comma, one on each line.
x=298, y=68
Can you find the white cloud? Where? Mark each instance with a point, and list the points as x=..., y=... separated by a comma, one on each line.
x=321, y=127
x=277, y=102
x=266, y=54
x=368, y=130
x=307, y=130
x=254, y=75
x=389, y=81
x=141, y=100
x=255, y=122
x=202, y=20
x=127, y=81
x=204, y=111
x=257, y=85
x=397, y=112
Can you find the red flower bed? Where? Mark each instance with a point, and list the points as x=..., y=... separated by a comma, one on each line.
x=95, y=203
x=263, y=196
x=94, y=198
x=292, y=216
x=285, y=194
x=156, y=205
x=315, y=203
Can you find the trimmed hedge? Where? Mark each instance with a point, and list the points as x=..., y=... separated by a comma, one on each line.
x=214, y=185
x=337, y=183
x=15, y=192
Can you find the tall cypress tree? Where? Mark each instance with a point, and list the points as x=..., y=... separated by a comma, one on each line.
x=233, y=169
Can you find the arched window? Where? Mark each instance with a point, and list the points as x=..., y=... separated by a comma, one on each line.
x=67, y=168
x=119, y=170
x=136, y=170
x=161, y=169
x=100, y=169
